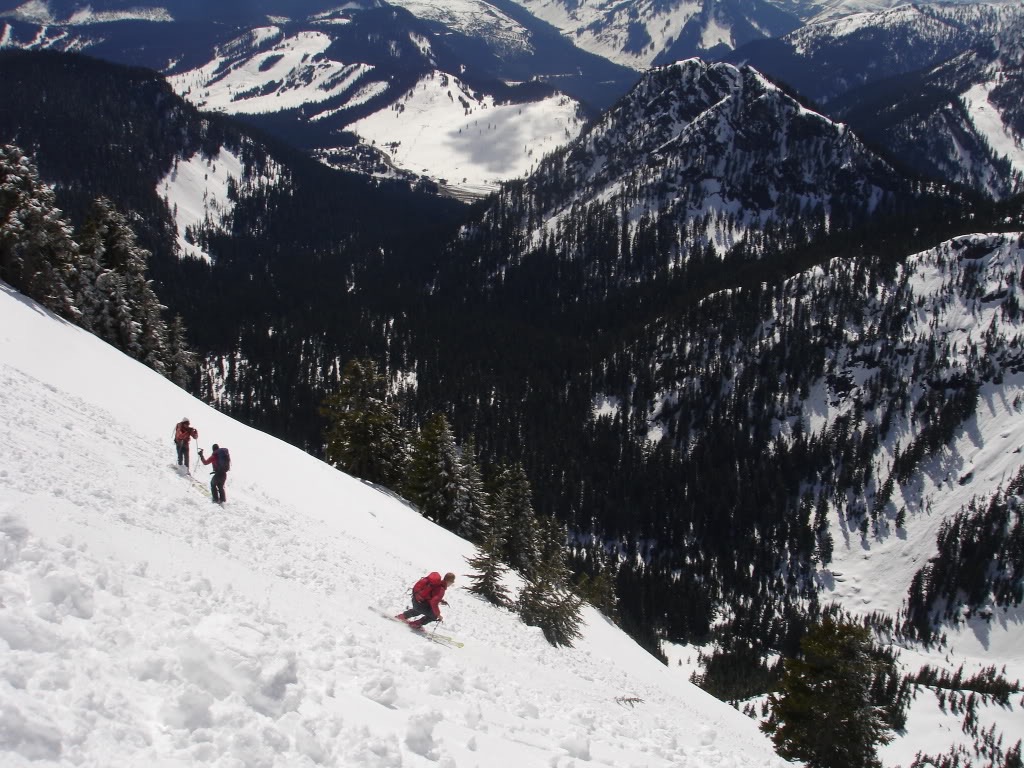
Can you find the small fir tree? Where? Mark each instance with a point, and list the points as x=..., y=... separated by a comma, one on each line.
x=514, y=519
x=181, y=360
x=472, y=514
x=546, y=601
x=127, y=312
x=486, y=580
x=824, y=714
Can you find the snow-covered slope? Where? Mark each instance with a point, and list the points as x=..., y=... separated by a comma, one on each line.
x=276, y=72
x=889, y=346
x=140, y=624
x=443, y=129
x=644, y=33
x=711, y=144
x=438, y=127
x=42, y=12
x=961, y=121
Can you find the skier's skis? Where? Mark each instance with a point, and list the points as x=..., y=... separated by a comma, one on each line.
x=427, y=634
x=186, y=474
x=434, y=637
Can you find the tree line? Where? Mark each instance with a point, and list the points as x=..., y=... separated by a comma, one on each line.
x=95, y=277
x=365, y=438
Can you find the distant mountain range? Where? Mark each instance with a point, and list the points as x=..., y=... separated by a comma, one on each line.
x=466, y=94
x=711, y=153
x=937, y=86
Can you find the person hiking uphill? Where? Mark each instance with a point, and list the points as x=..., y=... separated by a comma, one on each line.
x=427, y=599
x=183, y=434
x=221, y=460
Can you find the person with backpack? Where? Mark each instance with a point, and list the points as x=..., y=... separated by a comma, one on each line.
x=183, y=434
x=427, y=599
x=221, y=460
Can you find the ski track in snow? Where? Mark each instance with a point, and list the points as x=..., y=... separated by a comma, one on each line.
x=142, y=625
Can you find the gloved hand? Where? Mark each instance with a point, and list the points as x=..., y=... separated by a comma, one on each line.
x=200, y=451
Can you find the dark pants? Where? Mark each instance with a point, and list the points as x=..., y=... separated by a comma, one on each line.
x=420, y=608
x=217, y=486
x=182, y=452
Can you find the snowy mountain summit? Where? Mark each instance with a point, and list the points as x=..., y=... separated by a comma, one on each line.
x=141, y=625
x=714, y=147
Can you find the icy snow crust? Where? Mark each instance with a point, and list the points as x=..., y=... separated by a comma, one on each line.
x=142, y=625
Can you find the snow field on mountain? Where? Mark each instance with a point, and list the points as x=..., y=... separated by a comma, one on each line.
x=291, y=74
x=606, y=29
x=473, y=17
x=140, y=624
x=442, y=130
x=990, y=126
x=196, y=191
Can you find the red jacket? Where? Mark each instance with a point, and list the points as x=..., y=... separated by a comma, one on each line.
x=430, y=590
x=183, y=433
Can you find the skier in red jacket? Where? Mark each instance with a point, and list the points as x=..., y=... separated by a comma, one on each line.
x=183, y=434
x=427, y=599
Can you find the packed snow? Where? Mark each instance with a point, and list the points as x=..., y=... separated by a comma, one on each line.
x=140, y=624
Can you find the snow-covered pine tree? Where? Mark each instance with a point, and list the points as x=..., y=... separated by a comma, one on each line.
x=514, y=519
x=824, y=715
x=130, y=315
x=363, y=435
x=472, y=516
x=37, y=252
x=435, y=472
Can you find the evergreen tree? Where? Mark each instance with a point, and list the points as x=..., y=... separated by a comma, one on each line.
x=37, y=252
x=472, y=514
x=514, y=520
x=487, y=579
x=128, y=313
x=825, y=715
x=363, y=436
x=546, y=600
x=181, y=360
x=435, y=472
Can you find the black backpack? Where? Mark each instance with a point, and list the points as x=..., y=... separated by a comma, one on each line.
x=221, y=460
